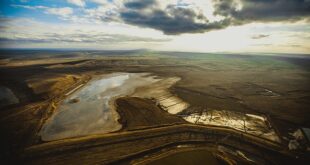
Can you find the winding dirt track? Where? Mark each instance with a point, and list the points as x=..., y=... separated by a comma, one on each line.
x=117, y=146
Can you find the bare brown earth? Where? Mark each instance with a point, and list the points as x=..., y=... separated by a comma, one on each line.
x=222, y=82
x=126, y=146
x=137, y=113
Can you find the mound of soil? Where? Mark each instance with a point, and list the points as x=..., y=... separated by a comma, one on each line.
x=137, y=113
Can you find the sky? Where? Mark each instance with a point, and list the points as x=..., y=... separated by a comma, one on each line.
x=264, y=26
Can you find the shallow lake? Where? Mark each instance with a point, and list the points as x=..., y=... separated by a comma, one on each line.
x=90, y=110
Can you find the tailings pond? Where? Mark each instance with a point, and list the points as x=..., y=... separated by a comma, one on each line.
x=90, y=110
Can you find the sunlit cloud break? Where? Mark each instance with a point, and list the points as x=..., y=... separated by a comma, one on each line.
x=167, y=24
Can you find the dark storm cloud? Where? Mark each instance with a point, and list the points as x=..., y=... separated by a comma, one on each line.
x=263, y=10
x=171, y=20
x=176, y=19
x=137, y=4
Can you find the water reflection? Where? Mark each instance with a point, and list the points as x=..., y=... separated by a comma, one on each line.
x=90, y=110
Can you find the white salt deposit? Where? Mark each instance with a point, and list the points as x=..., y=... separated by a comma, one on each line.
x=247, y=123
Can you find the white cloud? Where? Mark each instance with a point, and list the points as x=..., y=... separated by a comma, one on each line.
x=102, y=2
x=64, y=12
x=29, y=7
x=22, y=32
x=101, y=27
x=80, y=3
